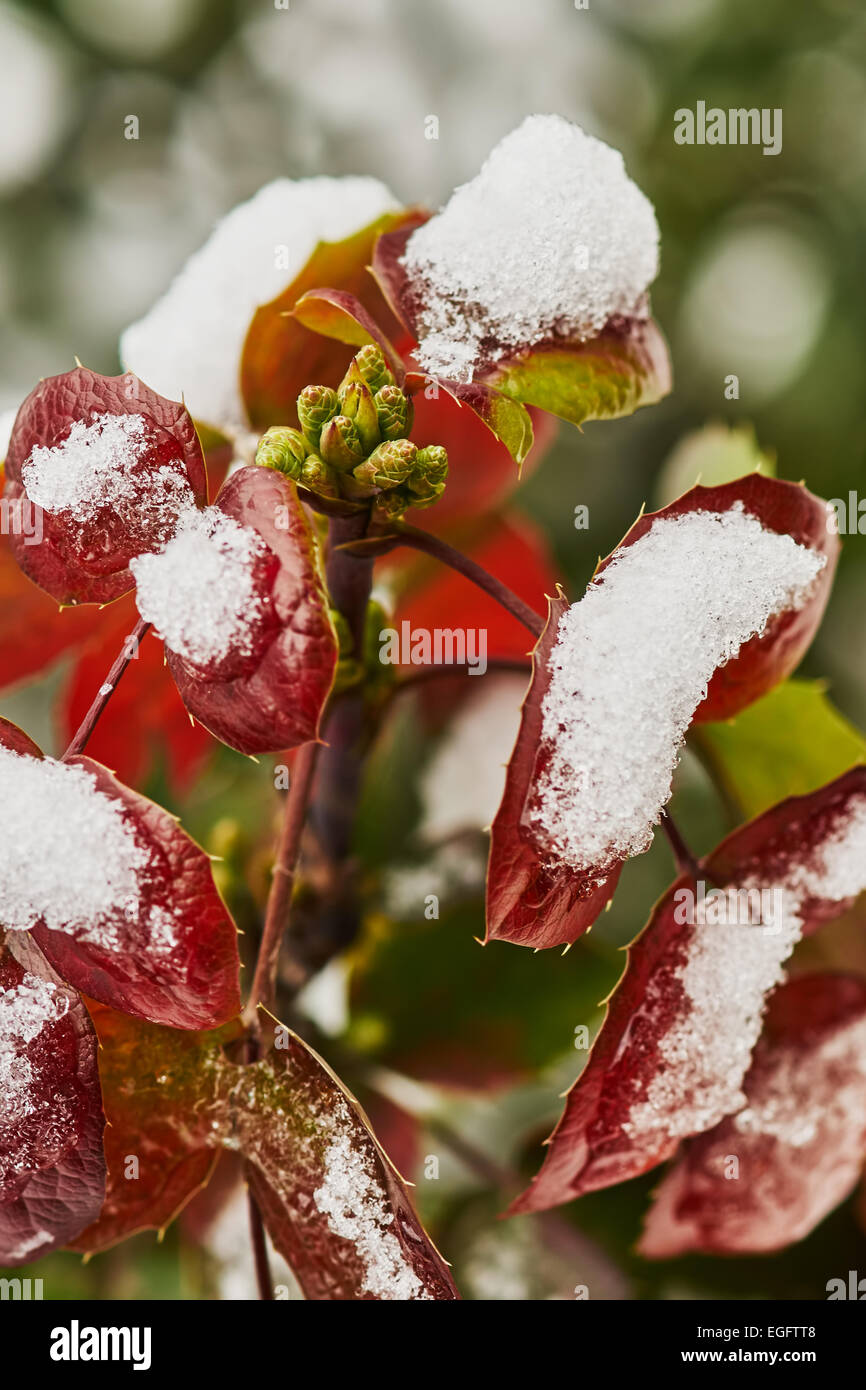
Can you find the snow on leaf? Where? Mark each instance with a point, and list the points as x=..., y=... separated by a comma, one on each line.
x=108, y=466
x=52, y=1171
x=119, y=899
x=527, y=902
x=703, y=607
x=532, y=279
x=191, y=342
x=764, y=1177
x=670, y=1059
x=266, y=691
x=333, y=1205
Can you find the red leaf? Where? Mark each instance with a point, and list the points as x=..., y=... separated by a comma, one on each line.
x=800, y=1144
x=33, y=631
x=146, y=699
x=526, y=872
x=635, y=1101
x=84, y=552
x=528, y=902
x=167, y=949
x=277, y=699
x=52, y=1171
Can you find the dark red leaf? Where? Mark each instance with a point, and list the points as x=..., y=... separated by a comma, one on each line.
x=340, y=315
x=170, y=956
x=276, y=699
x=52, y=1170
x=632, y=1104
x=765, y=1177
x=528, y=902
x=84, y=558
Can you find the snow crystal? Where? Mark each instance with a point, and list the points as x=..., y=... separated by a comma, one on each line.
x=189, y=345
x=69, y=857
x=631, y=664
x=98, y=465
x=199, y=591
x=727, y=975
x=551, y=238
x=807, y=1091
x=351, y=1200
x=24, y=1011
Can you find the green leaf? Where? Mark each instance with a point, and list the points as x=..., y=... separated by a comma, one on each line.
x=791, y=742
x=625, y=367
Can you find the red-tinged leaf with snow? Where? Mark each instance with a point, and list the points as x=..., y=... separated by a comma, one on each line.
x=333, y=1205
x=146, y=699
x=609, y=375
x=281, y=356
x=269, y=694
x=121, y=901
x=787, y=509
x=52, y=1170
x=109, y=465
x=765, y=1177
x=511, y=548
x=530, y=902
x=702, y=607
x=677, y=1039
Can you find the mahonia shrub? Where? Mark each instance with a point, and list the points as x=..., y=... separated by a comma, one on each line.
x=303, y=449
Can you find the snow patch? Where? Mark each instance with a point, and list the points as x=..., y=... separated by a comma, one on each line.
x=631, y=664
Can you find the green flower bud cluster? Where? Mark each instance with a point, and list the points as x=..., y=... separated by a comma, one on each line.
x=352, y=442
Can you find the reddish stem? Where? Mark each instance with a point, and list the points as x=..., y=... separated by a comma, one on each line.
x=260, y=1248
x=106, y=690
x=685, y=860
x=264, y=984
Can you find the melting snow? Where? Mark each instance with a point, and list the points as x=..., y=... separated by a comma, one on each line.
x=551, y=238
x=199, y=591
x=189, y=345
x=727, y=976
x=631, y=664
x=351, y=1199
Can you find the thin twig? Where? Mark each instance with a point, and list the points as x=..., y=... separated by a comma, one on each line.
x=477, y=574
x=685, y=860
x=106, y=690
x=264, y=984
x=260, y=1248
x=496, y=665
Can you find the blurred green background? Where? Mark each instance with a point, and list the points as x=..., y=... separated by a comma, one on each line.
x=761, y=277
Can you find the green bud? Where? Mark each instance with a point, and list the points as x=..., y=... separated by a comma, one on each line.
x=372, y=367
x=318, y=477
x=427, y=479
x=395, y=412
x=316, y=405
x=340, y=445
x=436, y=492
x=393, y=504
x=389, y=464
x=282, y=449
x=359, y=406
